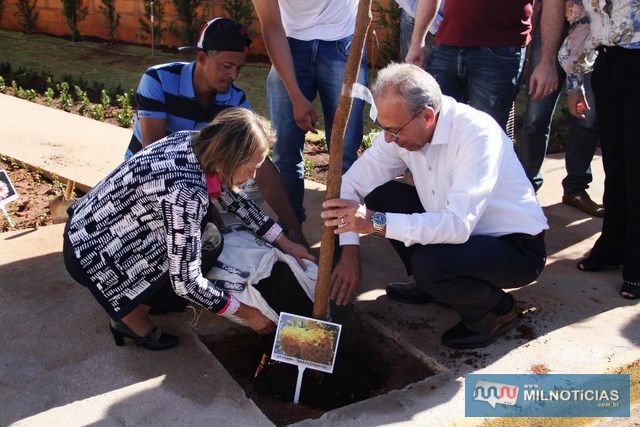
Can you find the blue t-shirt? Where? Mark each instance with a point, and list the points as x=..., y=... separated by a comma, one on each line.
x=166, y=92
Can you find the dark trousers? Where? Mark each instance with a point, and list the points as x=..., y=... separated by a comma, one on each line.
x=469, y=276
x=616, y=87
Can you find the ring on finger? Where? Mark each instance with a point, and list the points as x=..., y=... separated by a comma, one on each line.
x=342, y=219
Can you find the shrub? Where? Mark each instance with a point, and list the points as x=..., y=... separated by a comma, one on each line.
x=389, y=19
x=49, y=94
x=108, y=9
x=28, y=14
x=124, y=116
x=97, y=112
x=66, y=99
x=145, y=22
x=105, y=98
x=74, y=13
x=82, y=97
x=241, y=11
x=3, y=85
x=190, y=21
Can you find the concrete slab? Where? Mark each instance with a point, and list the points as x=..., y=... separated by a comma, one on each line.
x=60, y=366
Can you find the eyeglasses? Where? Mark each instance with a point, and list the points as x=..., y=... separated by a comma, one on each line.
x=395, y=134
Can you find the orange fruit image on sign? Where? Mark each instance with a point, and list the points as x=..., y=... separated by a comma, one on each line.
x=313, y=344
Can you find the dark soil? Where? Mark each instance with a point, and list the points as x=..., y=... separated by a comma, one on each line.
x=367, y=365
x=31, y=209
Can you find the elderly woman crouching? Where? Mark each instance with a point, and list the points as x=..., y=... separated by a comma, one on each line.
x=135, y=239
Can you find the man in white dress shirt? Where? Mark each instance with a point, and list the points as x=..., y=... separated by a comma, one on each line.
x=470, y=227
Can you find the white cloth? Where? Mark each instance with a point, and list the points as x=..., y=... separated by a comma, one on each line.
x=318, y=19
x=468, y=178
x=245, y=260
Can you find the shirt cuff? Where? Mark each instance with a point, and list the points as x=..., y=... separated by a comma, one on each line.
x=349, y=238
x=232, y=306
x=272, y=234
x=574, y=83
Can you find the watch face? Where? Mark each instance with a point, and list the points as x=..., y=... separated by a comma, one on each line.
x=379, y=219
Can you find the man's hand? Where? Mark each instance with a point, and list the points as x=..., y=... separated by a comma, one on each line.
x=305, y=115
x=416, y=55
x=347, y=215
x=346, y=276
x=543, y=81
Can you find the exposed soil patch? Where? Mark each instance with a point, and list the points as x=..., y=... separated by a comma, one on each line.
x=367, y=365
x=31, y=209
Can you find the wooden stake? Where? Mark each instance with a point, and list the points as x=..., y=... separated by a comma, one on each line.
x=334, y=176
x=69, y=190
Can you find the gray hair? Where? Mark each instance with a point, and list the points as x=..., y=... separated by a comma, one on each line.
x=417, y=88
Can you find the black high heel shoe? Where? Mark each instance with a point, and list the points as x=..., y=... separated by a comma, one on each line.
x=164, y=342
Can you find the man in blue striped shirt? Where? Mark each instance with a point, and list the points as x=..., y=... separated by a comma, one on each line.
x=187, y=96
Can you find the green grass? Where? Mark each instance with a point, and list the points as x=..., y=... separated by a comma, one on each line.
x=118, y=66
x=122, y=65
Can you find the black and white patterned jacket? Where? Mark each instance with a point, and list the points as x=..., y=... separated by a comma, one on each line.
x=144, y=220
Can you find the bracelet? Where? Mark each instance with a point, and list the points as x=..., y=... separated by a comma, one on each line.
x=232, y=306
x=279, y=236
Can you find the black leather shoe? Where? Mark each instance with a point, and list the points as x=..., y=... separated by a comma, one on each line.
x=461, y=337
x=409, y=293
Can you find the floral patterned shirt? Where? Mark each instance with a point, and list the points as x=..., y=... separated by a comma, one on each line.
x=596, y=23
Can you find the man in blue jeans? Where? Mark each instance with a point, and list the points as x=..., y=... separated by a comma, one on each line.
x=308, y=44
x=480, y=49
x=580, y=145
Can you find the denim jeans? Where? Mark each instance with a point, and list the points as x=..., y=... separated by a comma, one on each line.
x=320, y=67
x=407, y=22
x=485, y=78
x=536, y=126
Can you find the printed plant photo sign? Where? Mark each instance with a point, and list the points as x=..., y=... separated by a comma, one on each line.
x=7, y=192
x=307, y=343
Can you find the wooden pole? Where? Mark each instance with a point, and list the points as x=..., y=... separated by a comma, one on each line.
x=334, y=176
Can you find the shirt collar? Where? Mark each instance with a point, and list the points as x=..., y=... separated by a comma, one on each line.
x=444, y=125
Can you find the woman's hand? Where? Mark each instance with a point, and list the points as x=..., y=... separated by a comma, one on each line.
x=577, y=104
x=347, y=215
x=256, y=320
x=296, y=250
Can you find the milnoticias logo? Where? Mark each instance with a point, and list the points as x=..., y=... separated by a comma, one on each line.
x=549, y=395
x=505, y=394
x=533, y=392
x=495, y=393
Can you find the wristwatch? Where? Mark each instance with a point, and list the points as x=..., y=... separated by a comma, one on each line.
x=379, y=220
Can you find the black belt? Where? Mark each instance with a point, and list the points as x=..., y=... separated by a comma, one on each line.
x=524, y=236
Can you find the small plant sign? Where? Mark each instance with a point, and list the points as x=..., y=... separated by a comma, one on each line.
x=7, y=194
x=307, y=343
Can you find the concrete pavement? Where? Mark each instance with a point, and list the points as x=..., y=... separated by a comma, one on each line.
x=60, y=367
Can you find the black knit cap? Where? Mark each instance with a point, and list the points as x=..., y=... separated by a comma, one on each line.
x=221, y=34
